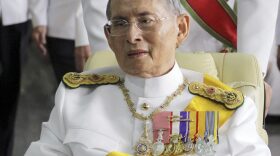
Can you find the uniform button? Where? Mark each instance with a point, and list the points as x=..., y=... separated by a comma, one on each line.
x=145, y=106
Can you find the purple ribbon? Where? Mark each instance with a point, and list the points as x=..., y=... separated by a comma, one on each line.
x=184, y=125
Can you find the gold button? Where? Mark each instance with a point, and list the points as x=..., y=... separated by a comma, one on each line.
x=145, y=106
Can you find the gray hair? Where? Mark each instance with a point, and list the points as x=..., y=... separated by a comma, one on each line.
x=174, y=5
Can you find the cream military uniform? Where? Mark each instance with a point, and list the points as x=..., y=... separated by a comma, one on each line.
x=96, y=121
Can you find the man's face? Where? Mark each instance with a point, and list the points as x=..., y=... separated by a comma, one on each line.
x=139, y=52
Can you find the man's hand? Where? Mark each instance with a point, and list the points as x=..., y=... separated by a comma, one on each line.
x=39, y=34
x=268, y=96
x=278, y=57
x=82, y=53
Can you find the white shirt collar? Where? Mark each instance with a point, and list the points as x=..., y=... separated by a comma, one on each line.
x=160, y=86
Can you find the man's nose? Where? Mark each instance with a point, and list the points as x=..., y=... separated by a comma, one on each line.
x=134, y=34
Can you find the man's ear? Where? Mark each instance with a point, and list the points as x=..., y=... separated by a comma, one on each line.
x=183, y=26
x=106, y=32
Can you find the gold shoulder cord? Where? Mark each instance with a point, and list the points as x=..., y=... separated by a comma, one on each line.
x=230, y=99
x=74, y=80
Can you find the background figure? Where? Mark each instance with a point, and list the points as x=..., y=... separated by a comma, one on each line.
x=95, y=18
x=254, y=37
x=273, y=76
x=249, y=15
x=13, y=42
x=256, y=28
x=59, y=25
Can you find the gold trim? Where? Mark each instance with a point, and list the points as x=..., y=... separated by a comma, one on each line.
x=75, y=80
x=230, y=99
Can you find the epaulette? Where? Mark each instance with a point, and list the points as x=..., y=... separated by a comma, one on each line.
x=230, y=99
x=74, y=80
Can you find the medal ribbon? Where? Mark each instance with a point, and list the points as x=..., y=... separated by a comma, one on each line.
x=176, y=123
x=183, y=124
x=162, y=121
x=188, y=124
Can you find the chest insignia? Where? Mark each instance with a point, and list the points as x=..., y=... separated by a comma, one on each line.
x=185, y=133
x=74, y=80
x=230, y=99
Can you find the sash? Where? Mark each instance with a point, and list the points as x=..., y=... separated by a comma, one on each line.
x=216, y=17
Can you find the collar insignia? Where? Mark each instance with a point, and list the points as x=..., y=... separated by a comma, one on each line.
x=230, y=99
x=74, y=80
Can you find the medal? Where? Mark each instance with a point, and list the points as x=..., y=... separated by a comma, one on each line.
x=158, y=146
x=210, y=146
x=189, y=146
x=144, y=145
x=162, y=123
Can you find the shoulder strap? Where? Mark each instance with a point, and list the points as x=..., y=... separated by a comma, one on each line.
x=210, y=102
x=75, y=80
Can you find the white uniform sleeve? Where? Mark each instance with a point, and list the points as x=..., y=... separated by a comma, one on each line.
x=256, y=28
x=52, y=134
x=241, y=136
x=278, y=27
x=81, y=37
x=95, y=19
x=39, y=12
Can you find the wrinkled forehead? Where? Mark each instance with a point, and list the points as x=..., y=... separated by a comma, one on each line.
x=134, y=8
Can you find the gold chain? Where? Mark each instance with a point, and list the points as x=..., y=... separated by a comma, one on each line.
x=166, y=103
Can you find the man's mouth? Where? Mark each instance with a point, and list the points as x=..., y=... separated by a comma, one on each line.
x=137, y=53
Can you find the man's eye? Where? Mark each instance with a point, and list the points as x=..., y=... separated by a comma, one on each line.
x=146, y=21
x=119, y=23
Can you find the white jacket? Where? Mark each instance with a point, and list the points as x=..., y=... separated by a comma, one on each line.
x=256, y=28
x=90, y=121
x=63, y=18
x=95, y=19
x=277, y=34
x=14, y=11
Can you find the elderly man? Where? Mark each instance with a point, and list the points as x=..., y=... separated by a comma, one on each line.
x=156, y=108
